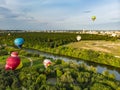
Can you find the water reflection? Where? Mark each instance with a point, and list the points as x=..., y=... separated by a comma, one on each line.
x=100, y=67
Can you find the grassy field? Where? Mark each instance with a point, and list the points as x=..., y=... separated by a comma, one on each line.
x=112, y=47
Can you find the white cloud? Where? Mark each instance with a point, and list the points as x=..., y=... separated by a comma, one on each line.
x=2, y=2
x=51, y=13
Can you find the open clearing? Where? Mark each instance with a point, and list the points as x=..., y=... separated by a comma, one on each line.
x=112, y=47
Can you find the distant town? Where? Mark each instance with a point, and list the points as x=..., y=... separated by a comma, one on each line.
x=114, y=33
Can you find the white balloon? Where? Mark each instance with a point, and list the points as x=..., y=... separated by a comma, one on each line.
x=8, y=34
x=46, y=62
x=78, y=37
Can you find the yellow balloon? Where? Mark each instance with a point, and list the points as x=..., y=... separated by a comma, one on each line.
x=20, y=65
x=93, y=18
x=48, y=65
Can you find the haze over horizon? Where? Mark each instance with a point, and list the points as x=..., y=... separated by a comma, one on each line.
x=59, y=14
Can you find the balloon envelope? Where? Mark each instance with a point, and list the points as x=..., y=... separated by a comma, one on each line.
x=19, y=66
x=18, y=42
x=14, y=54
x=78, y=37
x=8, y=34
x=46, y=63
x=93, y=18
x=12, y=63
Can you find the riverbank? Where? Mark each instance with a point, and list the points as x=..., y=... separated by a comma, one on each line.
x=84, y=54
x=101, y=57
x=36, y=53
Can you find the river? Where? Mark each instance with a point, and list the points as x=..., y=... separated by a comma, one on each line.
x=100, y=67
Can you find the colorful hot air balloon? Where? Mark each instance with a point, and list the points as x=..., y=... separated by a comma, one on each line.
x=47, y=63
x=19, y=42
x=13, y=62
x=78, y=37
x=93, y=18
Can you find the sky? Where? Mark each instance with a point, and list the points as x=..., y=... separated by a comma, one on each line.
x=59, y=14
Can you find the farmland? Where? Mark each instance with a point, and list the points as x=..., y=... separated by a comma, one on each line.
x=112, y=47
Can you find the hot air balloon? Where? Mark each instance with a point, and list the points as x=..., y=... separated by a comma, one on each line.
x=93, y=18
x=78, y=37
x=13, y=62
x=8, y=34
x=47, y=63
x=19, y=42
